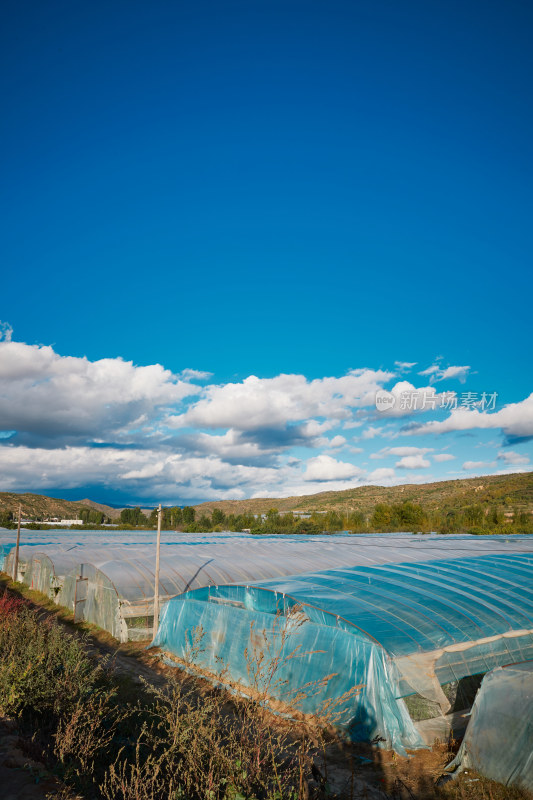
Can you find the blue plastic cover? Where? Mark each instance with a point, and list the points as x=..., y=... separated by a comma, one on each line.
x=391, y=630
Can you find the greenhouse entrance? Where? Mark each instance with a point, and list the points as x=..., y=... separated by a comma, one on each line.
x=80, y=598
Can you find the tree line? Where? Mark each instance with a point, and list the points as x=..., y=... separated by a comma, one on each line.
x=384, y=518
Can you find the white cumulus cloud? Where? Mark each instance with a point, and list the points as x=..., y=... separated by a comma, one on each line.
x=413, y=462
x=437, y=373
x=469, y=465
x=146, y=432
x=52, y=396
x=195, y=375
x=337, y=441
x=385, y=474
x=401, y=451
x=404, y=366
x=407, y=399
x=326, y=468
x=514, y=419
x=273, y=402
x=511, y=457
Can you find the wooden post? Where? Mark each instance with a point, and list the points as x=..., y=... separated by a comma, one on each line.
x=16, y=564
x=156, y=587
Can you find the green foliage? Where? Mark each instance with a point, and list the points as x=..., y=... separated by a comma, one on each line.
x=6, y=520
x=382, y=517
x=188, y=515
x=356, y=522
x=42, y=671
x=240, y=522
x=333, y=522
x=92, y=516
x=405, y=516
x=133, y=517
x=205, y=523
x=496, y=516
x=473, y=515
x=218, y=517
x=307, y=526
x=172, y=517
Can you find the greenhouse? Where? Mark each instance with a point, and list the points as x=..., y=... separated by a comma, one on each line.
x=393, y=646
x=108, y=578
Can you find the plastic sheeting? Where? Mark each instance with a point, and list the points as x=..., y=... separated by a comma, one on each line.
x=397, y=629
x=108, y=577
x=214, y=633
x=499, y=738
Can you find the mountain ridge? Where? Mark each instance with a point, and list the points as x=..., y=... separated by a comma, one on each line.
x=516, y=487
x=513, y=489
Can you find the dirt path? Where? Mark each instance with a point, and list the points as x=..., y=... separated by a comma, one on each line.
x=132, y=659
x=22, y=778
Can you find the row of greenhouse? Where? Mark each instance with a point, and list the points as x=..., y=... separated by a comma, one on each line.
x=395, y=632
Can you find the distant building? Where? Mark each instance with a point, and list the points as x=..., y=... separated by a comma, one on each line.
x=71, y=522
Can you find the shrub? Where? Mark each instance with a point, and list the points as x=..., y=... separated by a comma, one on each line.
x=42, y=670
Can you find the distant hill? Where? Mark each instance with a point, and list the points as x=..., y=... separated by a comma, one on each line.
x=40, y=507
x=515, y=490
x=109, y=511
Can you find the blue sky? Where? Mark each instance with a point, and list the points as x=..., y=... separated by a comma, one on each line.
x=262, y=189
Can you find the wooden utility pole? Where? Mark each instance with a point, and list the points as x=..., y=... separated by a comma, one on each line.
x=156, y=587
x=16, y=564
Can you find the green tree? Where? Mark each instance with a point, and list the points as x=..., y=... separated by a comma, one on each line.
x=204, y=523
x=218, y=517
x=495, y=516
x=188, y=515
x=333, y=522
x=307, y=526
x=409, y=515
x=6, y=519
x=356, y=521
x=133, y=516
x=91, y=516
x=382, y=517
x=176, y=516
x=474, y=515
